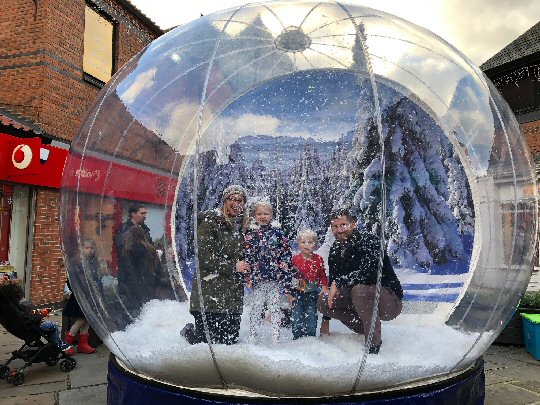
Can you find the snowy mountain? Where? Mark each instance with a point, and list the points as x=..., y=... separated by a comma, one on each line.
x=284, y=151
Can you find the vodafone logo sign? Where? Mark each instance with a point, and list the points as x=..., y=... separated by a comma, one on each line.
x=21, y=156
x=28, y=161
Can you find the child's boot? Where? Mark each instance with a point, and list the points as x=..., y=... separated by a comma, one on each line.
x=66, y=348
x=83, y=346
x=70, y=351
x=70, y=339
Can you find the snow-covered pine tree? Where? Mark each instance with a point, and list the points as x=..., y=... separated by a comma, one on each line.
x=336, y=174
x=184, y=226
x=184, y=218
x=421, y=228
x=215, y=177
x=459, y=194
x=184, y=201
x=257, y=179
x=306, y=190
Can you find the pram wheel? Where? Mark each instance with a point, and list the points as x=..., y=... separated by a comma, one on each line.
x=4, y=370
x=52, y=359
x=15, y=377
x=68, y=364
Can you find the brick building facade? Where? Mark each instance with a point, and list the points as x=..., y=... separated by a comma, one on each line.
x=46, y=90
x=515, y=71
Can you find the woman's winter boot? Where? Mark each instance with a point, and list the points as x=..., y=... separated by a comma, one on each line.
x=83, y=346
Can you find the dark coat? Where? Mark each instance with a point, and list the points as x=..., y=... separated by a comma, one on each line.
x=72, y=308
x=220, y=247
x=87, y=282
x=356, y=261
x=119, y=237
x=18, y=320
x=141, y=269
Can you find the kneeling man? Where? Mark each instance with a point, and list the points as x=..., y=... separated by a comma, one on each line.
x=353, y=265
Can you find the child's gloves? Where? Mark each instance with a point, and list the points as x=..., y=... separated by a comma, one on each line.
x=299, y=284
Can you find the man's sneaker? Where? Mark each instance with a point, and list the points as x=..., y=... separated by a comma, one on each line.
x=374, y=349
x=188, y=332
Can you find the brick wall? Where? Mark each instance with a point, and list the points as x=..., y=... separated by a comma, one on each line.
x=21, y=65
x=41, y=71
x=532, y=134
x=41, y=59
x=48, y=272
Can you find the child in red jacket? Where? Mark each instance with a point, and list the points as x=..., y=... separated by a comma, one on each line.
x=310, y=273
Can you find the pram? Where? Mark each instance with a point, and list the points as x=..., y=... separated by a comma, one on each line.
x=36, y=347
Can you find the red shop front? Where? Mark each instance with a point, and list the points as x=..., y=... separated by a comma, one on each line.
x=109, y=188
x=30, y=169
x=26, y=166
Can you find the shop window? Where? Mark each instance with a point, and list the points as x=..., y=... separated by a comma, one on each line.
x=14, y=220
x=6, y=204
x=98, y=58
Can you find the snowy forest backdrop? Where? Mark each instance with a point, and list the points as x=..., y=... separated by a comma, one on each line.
x=430, y=214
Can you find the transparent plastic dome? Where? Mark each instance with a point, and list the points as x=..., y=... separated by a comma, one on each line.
x=310, y=106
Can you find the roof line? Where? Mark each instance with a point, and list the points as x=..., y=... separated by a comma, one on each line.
x=10, y=119
x=139, y=14
x=523, y=46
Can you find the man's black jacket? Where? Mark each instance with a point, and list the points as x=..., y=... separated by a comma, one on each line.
x=119, y=237
x=356, y=261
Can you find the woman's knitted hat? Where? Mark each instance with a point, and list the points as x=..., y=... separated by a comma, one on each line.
x=233, y=189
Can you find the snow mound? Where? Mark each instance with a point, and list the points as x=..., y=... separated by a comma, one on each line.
x=313, y=366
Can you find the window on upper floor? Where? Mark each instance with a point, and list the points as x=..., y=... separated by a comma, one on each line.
x=98, y=57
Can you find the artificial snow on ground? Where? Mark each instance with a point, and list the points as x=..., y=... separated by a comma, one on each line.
x=311, y=366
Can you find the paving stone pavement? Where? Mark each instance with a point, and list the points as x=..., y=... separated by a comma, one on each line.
x=44, y=385
x=512, y=377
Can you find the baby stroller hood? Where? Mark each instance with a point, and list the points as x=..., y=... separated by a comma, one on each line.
x=16, y=324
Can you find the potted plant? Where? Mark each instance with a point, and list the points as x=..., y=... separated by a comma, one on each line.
x=512, y=334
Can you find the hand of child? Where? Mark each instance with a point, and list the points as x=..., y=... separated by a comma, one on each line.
x=283, y=265
x=290, y=298
x=43, y=312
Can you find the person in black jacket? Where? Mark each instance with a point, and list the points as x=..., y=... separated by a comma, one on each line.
x=353, y=272
x=126, y=280
x=17, y=317
x=136, y=216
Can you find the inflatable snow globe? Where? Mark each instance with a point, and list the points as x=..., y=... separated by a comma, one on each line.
x=259, y=167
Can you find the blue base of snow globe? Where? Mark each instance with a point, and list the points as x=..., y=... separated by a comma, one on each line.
x=125, y=387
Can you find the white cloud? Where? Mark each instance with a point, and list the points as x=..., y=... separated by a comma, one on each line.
x=142, y=81
x=252, y=124
x=487, y=26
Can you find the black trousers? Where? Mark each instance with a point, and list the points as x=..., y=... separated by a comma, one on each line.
x=223, y=327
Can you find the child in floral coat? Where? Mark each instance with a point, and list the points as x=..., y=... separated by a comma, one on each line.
x=267, y=251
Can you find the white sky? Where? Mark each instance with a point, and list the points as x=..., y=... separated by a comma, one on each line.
x=478, y=28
